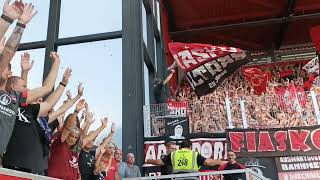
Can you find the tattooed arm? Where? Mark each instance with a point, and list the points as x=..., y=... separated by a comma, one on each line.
x=10, y=48
x=13, y=42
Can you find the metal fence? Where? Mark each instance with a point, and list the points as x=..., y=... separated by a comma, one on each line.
x=12, y=174
x=247, y=173
x=264, y=111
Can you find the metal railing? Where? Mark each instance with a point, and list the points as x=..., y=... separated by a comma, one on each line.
x=248, y=174
x=19, y=174
x=217, y=114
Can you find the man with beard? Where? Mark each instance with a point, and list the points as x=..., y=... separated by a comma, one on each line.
x=232, y=164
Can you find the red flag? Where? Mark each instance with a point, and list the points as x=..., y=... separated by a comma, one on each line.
x=257, y=78
x=315, y=36
x=190, y=56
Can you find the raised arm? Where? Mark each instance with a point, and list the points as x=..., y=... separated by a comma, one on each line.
x=172, y=71
x=15, y=38
x=26, y=66
x=70, y=102
x=72, y=121
x=107, y=140
x=97, y=169
x=54, y=97
x=213, y=162
x=91, y=136
x=88, y=120
x=48, y=84
x=10, y=13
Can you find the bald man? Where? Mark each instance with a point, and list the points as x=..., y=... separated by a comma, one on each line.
x=131, y=170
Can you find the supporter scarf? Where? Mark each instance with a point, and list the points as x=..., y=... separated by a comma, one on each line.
x=257, y=78
x=205, y=65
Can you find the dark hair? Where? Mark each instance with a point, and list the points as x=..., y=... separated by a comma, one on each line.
x=186, y=144
x=230, y=151
x=169, y=143
x=157, y=80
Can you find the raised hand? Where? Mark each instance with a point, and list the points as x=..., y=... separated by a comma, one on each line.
x=104, y=121
x=14, y=10
x=2, y=44
x=113, y=127
x=25, y=62
x=80, y=89
x=66, y=76
x=80, y=105
x=28, y=13
x=69, y=95
x=54, y=57
x=89, y=117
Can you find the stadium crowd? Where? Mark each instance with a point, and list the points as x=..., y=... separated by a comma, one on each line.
x=35, y=138
x=266, y=110
x=61, y=146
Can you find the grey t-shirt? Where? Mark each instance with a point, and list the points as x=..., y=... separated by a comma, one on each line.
x=9, y=103
x=132, y=172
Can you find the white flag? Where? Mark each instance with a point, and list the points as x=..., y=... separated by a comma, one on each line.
x=312, y=66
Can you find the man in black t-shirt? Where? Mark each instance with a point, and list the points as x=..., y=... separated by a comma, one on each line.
x=28, y=134
x=87, y=154
x=232, y=164
x=158, y=88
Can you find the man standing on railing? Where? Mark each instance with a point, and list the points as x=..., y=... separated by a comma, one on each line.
x=185, y=160
x=232, y=164
x=158, y=88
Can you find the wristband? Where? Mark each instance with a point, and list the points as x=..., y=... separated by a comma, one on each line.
x=62, y=84
x=6, y=18
x=21, y=25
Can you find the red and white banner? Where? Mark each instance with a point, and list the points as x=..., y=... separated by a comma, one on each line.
x=189, y=56
x=312, y=66
x=206, y=66
x=291, y=98
x=257, y=78
x=177, y=108
x=274, y=142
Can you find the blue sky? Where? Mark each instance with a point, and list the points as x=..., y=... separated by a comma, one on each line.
x=97, y=64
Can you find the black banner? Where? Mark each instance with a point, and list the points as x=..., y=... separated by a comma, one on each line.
x=177, y=128
x=207, y=77
x=274, y=142
x=263, y=166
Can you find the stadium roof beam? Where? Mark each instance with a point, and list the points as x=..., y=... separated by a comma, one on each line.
x=285, y=24
x=244, y=24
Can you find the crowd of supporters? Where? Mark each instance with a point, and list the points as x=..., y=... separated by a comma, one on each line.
x=38, y=139
x=267, y=110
